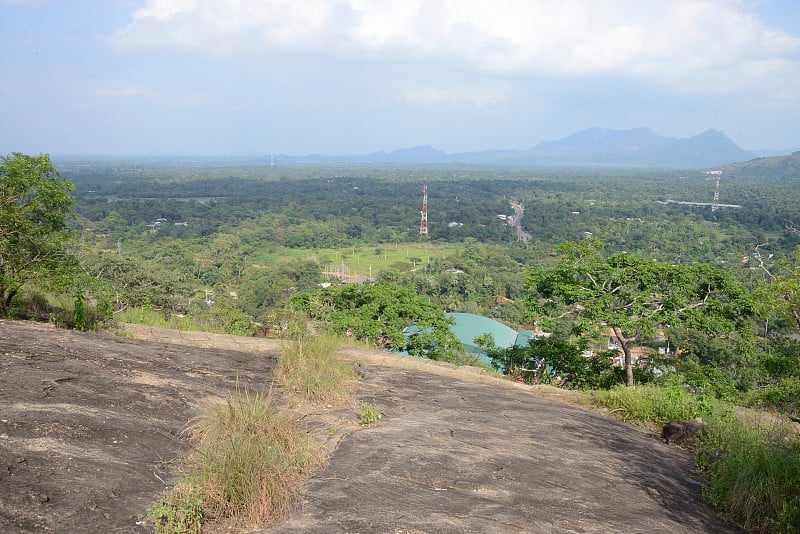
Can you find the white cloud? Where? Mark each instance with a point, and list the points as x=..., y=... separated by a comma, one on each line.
x=228, y=26
x=696, y=44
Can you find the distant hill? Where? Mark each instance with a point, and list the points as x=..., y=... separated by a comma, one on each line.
x=638, y=147
x=775, y=167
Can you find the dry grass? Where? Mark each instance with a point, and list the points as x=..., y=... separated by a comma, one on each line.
x=310, y=367
x=249, y=460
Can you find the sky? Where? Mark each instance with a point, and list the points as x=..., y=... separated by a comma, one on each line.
x=341, y=77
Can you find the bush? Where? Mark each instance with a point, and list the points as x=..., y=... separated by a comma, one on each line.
x=181, y=511
x=711, y=381
x=556, y=360
x=783, y=360
x=32, y=305
x=782, y=397
x=369, y=413
x=282, y=323
x=221, y=318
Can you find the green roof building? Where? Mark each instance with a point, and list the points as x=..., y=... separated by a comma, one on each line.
x=469, y=325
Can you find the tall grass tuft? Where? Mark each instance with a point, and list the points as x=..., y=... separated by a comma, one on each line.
x=249, y=460
x=654, y=404
x=310, y=367
x=752, y=474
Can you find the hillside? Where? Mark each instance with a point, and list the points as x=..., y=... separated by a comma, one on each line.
x=91, y=423
x=772, y=168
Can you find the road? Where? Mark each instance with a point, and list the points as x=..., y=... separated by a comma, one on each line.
x=516, y=222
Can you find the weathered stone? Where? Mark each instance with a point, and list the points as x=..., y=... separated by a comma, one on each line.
x=682, y=433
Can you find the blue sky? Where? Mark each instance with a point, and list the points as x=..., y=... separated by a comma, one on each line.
x=239, y=77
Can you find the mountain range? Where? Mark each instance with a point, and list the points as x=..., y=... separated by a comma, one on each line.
x=638, y=147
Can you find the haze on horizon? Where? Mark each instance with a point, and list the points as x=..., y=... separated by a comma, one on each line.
x=213, y=77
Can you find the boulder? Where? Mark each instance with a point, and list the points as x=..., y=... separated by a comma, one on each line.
x=682, y=433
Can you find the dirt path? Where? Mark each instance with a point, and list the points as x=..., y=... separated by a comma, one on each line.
x=88, y=422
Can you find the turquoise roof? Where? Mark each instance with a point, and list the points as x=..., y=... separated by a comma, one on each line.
x=469, y=325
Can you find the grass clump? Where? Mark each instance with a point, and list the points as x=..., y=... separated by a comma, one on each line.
x=651, y=404
x=783, y=396
x=249, y=460
x=310, y=367
x=752, y=474
x=246, y=466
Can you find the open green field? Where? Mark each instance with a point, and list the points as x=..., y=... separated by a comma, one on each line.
x=366, y=260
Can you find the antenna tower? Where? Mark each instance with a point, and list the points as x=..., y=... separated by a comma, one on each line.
x=423, y=223
x=715, y=203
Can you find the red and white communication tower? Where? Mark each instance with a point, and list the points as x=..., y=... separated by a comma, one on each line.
x=423, y=223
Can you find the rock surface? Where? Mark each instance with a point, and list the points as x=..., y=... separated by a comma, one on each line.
x=682, y=433
x=89, y=424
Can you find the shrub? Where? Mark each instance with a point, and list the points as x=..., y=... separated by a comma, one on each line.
x=181, y=511
x=369, y=413
x=33, y=305
x=283, y=323
x=712, y=381
x=783, y=361
x=546, y=358
x=222, y=318
x=783, y=396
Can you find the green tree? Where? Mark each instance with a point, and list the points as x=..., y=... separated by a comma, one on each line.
x=34, y=206
x=558, y=360
x=379, y=314
x=781, y=293
x=484, y=341
x=132, y=282
x=635, y=296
